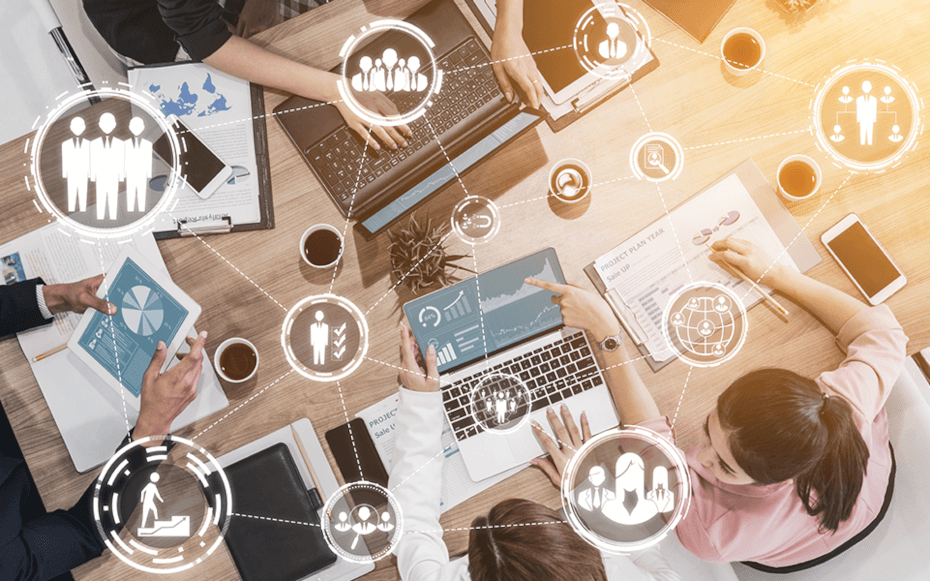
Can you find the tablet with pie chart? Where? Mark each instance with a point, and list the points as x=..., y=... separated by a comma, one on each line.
x=150, y=308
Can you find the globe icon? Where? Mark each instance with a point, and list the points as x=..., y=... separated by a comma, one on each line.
x=705, y=326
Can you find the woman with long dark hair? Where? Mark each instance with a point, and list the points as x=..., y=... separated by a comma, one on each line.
x=792, y=471
x=518, y=540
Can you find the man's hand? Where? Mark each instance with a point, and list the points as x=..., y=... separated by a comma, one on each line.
x=513, y=64
x=582, y=309
x=165, y=395
x=77, y=297
x=258, y=15
x=561, y=451
x=411, y=375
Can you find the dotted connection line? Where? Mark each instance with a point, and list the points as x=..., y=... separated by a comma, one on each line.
x=487, y=527
x=244, y=275
x=231, y=412
x=361, y=166
x=427, y=463
x=674, y=233
x=272, y=114
x=406, y=274
x=484, y=337
x=682, y=398
x=551, y=195
x=446, y=155
x=787, y=246
x=520, y=56
x=292, y=522
x=345, y=411
x=805, y=130
x=119, y=374
x=720, y=58
x=641, y=110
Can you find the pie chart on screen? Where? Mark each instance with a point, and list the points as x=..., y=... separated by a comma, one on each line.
x=142, y=310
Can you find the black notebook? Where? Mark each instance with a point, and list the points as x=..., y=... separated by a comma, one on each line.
x=268, y=484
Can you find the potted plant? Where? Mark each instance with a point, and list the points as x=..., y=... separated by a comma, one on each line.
x=796, y=7
x=419, y=258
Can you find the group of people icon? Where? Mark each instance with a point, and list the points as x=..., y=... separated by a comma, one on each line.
x=628, y=503
x=867, y=111
x=106, y=161
x=382, y=74
x=365, y=520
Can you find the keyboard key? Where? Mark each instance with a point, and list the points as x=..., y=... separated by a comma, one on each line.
x=539, y=404
x=536, y=360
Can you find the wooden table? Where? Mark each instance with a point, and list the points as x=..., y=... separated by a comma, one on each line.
x=762, y=116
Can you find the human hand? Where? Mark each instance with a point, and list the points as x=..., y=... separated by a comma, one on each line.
x=377, y=103
x=165, y=395
x=561, y=451
x=258, y=15
x=411, y=375
x=77, y=297
x=747, y=257
x=582, y=309
x=512, y=63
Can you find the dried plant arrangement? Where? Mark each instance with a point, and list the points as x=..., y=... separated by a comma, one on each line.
x=419, y=258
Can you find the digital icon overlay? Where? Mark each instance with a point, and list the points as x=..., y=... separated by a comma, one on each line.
x=626, y=489
x=500, y=403
x=325, y=337
x=607, y=36
x=476, y=220
x=705, y=324
x=570, y=180
x=362, y=522
x=657, y=157
x=163, y=508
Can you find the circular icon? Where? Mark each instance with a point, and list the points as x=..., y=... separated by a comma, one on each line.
x=362, y=522
x=500, y=403
x=476, y=220
x=866, y=116
x=92, y=166
x=657, y=157
x=142, y=310
x=570, y=180
x=626, y=489
x=325, y=337
x=406, y=72
x=705, y=324
x=609, y=35
x=162, y=508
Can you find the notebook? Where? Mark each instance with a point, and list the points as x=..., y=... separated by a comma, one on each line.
x=268, y=484
x=695, y=18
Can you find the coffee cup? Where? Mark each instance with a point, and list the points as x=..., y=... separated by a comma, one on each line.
x=743, y=50
x=236, y=360
x=321, y=246
x=798, y=177
x=570, y=181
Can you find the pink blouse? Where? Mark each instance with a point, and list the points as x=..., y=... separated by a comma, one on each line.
x=768, y=524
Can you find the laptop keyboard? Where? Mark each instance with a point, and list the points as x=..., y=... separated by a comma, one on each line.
x=468, y=83
x=552, y=373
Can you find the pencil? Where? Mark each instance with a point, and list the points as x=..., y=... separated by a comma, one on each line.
x=739, y=274
x=50, y=352
x=303, y=453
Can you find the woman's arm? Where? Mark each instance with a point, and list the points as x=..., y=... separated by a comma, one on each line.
x=510, y=57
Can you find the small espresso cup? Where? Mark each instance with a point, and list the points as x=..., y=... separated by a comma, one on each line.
x=570, y=181
x=732, y=58
x=787, y=189
x=318, y=246
x=233, y=360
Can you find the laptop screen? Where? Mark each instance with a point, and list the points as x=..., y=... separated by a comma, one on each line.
x=487, y=313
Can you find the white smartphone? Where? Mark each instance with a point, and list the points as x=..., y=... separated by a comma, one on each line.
x=863, y=259
x=203, y=170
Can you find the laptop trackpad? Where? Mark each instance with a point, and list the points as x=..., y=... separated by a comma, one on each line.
x=524, y=445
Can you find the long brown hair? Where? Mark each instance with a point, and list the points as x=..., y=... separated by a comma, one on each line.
x=782, y=427
x=507, y=546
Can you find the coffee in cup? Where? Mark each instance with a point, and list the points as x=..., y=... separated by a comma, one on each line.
x=743, y=50
x=798, y=177
x=236, y=360
x=321, y=246
x=570, y=181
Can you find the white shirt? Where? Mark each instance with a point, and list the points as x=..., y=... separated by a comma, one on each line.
x=415, y=481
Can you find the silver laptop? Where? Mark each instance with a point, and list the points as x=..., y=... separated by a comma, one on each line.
x=504, y=358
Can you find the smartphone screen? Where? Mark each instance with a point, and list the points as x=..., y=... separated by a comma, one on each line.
x=864, y=259
x=198, y=163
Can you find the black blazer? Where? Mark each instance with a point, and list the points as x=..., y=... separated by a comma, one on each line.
x=19, y=309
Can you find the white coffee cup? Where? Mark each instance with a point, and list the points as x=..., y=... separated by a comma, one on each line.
x=570, y=176
x=739, y=71
x=217, y=356
x=315, y=228
x=807, y=160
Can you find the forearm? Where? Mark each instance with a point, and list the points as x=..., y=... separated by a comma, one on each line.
x=509, y=16
x=630, y=394
x=243, y=59
x=832, y=306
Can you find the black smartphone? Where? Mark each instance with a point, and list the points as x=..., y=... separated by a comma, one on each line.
x=355, y=453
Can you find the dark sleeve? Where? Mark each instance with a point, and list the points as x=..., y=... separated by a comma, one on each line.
x=199, y=25
x=19, y=309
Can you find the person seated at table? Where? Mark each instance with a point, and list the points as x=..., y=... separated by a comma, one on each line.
x=162, y=31
x=510, y=57
x=36, y=545
x=792, y=471
x=501, y=546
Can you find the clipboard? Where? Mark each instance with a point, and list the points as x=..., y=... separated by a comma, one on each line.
x=784, y=225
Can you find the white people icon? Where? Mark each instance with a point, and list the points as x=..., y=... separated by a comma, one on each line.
x=106, y=161
x=630, y=504
x=613, y=47
x=866, y=113
x=319, y=338
x=149, y=494
x=381, y=74
x=593, y=498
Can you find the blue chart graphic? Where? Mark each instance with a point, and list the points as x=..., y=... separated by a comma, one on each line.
x=142, y=310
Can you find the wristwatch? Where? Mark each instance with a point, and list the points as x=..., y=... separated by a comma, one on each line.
x=611, y=342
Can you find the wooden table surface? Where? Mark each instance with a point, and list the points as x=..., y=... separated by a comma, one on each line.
x=719, y=120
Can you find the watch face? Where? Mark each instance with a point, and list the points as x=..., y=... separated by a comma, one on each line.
x=610, y=344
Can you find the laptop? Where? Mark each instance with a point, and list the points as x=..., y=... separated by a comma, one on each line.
x=494, y=326
x=469, y=114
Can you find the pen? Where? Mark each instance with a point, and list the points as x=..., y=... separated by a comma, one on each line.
x=313, y=477
x=50, y=352
x=738, y=274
